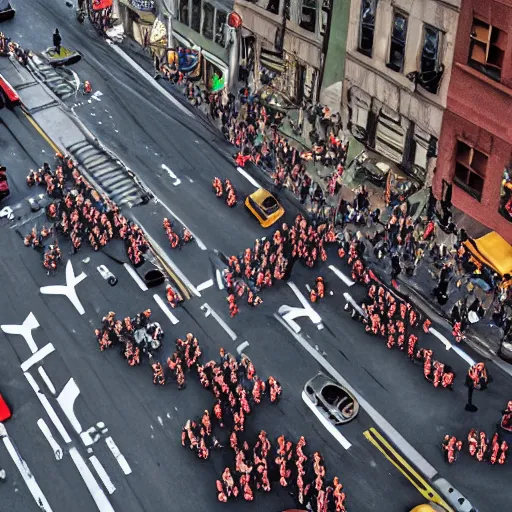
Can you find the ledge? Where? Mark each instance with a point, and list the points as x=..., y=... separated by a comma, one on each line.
x=484, y=78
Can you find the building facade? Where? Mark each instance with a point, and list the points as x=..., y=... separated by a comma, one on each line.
x=283, y=44
x=475, y=151
x=397, y=73
x=199, y=25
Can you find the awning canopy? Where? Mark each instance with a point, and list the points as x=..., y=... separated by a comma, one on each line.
x=492, y=250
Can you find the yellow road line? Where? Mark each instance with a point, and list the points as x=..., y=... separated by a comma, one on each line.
x=39, y=130
x=375, y=438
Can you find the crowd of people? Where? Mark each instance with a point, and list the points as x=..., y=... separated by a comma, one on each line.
x=271, y=260
x=237, y=390
x=261, y=466
x=479, y=447
x=78, y=212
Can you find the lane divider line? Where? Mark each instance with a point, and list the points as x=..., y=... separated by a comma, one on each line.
x=393, y=456
x=100, y=471
x=49, y=409
x=47, y=380
x=26, y=474
x=209, y=311
x=218, y=275
x=118, y=456
x=38, y=356
x=95, y=490
x=205, y=285
x=410, y=452
x=165, y=309
x=55, y=446
x=248, y=177
x=342, y=276
x=326, y=423
x=140, y=283
x=149, y=79
x=198, y=241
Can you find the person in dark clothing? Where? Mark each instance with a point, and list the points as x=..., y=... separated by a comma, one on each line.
x=57, y=40
x=441, y=292
x=395, y=266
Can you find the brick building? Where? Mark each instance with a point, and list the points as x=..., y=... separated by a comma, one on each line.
x=475, y=148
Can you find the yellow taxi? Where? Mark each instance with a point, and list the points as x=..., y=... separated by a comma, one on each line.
x=265, y=207
x=428, y=508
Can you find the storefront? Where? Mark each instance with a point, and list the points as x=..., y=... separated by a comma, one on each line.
x=138, y=17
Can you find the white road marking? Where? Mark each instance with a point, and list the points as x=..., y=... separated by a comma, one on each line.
x=326, y=423
x=94, y=489
x=100, y=471
x=289, y=313
x=149, y=79
x=160, y=420
x=396, y=438
x=248, y=177
x=463, y=355
x=354, y=304
x=49, y=409
x=218, y=275
x=197, y=240
x=443, y=339
x=25, y=330
x=171, y=264
x=27, y=475
x=47, y=380
x=205, y=285
x=66, y=400
x=209, y=311
x=242, y=347
x=57, y=450
x=177, y=181
x=118, y=456
x=342, y=276
x=140, y=283
x=38, y=356
x=165, y=309
x=69, y=289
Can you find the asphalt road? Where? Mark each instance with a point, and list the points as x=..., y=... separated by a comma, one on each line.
x=148, y=132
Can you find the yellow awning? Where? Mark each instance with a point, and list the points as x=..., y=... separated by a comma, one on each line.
x=492, y=250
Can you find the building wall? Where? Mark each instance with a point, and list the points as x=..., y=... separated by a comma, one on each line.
x=371, y=84
x=300, y=46
x=479, y=113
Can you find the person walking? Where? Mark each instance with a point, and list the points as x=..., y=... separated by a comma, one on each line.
x=57, y=40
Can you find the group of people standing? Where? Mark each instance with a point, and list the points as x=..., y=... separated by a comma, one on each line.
x=237, y=390
x=261, y=466
x=80, y=213
x=273, y=259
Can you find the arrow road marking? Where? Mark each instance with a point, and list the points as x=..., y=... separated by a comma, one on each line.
x=209, y=311
x=177, y=181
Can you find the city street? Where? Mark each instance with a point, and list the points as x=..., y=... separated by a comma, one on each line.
x=176, y=156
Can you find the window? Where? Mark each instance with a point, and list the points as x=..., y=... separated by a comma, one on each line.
x=470, y=169
x=183, y=12
x=220, y=28
x=397, y=48
x=195, y=22
x=308, y=15
x=430, y=71
x=273, y=6
x=367, y=26
x=487, y=49
x=208, y=19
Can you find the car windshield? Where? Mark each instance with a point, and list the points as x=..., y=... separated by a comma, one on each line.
x=270, y=205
